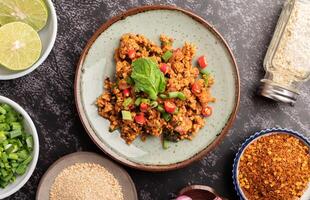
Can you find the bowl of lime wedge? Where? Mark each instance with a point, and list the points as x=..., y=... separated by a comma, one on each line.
x=28, y=31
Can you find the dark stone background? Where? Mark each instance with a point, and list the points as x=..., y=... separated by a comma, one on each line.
x=47, y=93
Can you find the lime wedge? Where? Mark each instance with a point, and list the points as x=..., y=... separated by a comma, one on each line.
x=32, y=12
x=20, y=46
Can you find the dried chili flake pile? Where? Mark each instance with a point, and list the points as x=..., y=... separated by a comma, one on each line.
x=275, y=167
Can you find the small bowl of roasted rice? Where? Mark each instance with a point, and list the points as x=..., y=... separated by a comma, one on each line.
x=273, y=164
x=86, y=175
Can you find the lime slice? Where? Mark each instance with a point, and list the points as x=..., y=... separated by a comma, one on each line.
x=32, y=12
x=43, y=2
x=20, y=46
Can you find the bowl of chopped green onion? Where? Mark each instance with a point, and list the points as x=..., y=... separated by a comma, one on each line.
x=19, y=147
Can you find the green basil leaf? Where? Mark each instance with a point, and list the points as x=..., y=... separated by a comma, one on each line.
x=147, y=77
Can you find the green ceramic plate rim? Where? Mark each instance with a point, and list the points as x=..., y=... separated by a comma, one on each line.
x=111, y=152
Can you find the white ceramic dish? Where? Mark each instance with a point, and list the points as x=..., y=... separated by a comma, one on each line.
x=48, y=37
x=31, y=129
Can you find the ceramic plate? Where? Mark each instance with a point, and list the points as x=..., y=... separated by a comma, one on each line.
x=96, y=63
x=128, y=187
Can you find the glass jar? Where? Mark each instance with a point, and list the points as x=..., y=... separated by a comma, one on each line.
x=287, y=62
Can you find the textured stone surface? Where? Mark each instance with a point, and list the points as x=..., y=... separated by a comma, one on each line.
x=47, y=93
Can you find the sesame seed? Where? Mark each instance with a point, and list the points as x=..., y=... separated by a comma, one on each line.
x=86, y=181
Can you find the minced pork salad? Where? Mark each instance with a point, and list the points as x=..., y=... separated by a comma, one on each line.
x=157, y=90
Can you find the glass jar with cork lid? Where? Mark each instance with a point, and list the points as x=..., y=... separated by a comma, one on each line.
x=287, y=62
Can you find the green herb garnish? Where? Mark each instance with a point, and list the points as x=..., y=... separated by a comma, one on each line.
x=147, y=77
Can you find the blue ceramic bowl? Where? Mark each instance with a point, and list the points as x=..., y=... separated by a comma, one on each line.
x=249, y=141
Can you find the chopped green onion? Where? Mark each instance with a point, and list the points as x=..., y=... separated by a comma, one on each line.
x=166, y=116
x=154, y=104
x=138, y=101
x=182, y=96
x=206, y=78
x=160, y=108
x=11, y=148
x=7, y=146
x=7, y=165
x=163, y=96
x=2, y=111
x=2, y=136
x=205, y=71
x=7, y=178
x=14, y=164
x=16, y=126
x=147, y=101
x=4, y=158
x=23, y=154
x=173, y=94
x=126, y=115
x=167, y=55
x=2, y=118
x=3, y=172
x=7, y=107
x=127, y=102
x=176, y=110
x=15, y=133
x=13, y=156
x=29, y=142
x=27, y=160
x=165, y=144
x=4, y=143
x=11, y=117
x=179, y=95
x=15, y=145
x=4, y=184
x=20, y=144
x=21, y=169
x=4, y=127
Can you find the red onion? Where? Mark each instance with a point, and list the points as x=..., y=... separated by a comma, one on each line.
x=183, y=197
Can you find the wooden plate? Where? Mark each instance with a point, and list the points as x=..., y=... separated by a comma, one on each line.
x=120, y=174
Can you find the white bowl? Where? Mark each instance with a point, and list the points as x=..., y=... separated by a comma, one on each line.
x=48, y=37
x=31, y=129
